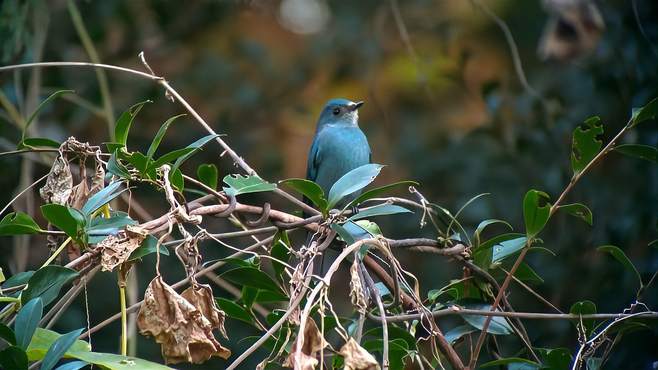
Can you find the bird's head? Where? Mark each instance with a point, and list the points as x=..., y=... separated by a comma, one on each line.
x=339, y=112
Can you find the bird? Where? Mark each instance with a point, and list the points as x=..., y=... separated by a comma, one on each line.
x=338, y=147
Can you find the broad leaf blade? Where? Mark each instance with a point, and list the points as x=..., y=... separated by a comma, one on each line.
x=497, y=326
x=585, y=308
x=353, y=181
x=646, y=152
x=253, y=277
x=578, y=210
x=122, y=126
x=620, y=256
x=585, y=143
x=194, y=147
x=46, y=283
x=534, y=214
x=506, y=248
x=208, y=175
x=103, y=197
x=67, y=219
x=647, y=112
x=379, y=210
x=17, y=223
x=380, y=191
x=310, y=190
x=13, y=358
x=238, y=184
x=58, y=348
x=27, y=321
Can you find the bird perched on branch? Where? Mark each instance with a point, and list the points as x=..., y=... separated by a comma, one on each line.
x=339, y=145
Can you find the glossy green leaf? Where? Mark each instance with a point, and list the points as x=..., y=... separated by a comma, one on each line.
x=250, y=276
x=40, y=107
x=497, y=326
x=68, y=219
x=195, y=146
x=122, y=126
x=620, y=256
x=169, y=157
x=17, y=223
x=238, y=184
x=148, y=246
x=555, y=358
x=159, y=135
x=104, y=196
x=7, y=334
x=310, y=190
x=343, y=233
x=646, y=152
x=58, y=348
x=208, y=174
x=116, y=168
x=266, y=296
x=535, y=214
x=455, y=333
x=585, y=143
x=379, y=210
x=248, y=296
x=27, y=321
x=507, y=248
x=370, y=227
x=38, y=142
x=43, y=339
x=100, y=226
x=139, y=161
x=73, y=365
x=234, y=310
x=353, y=181
x=584, y=308
x=380, y=191
x=394, y=333
x=17, y=279
x=578, y=210
x=645, y=113
x=177, y=180
x=522, y=363
x=483, y=225
x=47, y=282
x=13, y=358
x=526, y=274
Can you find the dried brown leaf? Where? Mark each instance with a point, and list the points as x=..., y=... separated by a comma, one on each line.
x=59, y=183
x=357, y=295
x=98, y=181
x=313, y=343
x=79, y=195
x=116, y=249
x=184, y=333
x=357, y=358
x=201, y=297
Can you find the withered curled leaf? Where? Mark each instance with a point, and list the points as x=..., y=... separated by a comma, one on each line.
x=116, y=249
x=59, y=183
x=313, y=343
x=357, y=295
x=201, y=297
x=184, y=333
x=357, y=358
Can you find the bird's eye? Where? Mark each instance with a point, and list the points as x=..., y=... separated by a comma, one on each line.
x=336, y=111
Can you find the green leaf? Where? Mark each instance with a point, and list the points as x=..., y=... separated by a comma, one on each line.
x=27, y=321
x=252, y=277
x=46, y=283
x=73, y=365
x=17, y=279
x=482, y=225
x=100, y=226
x=195, y=147
x=13, y=358
x=169, y=157
x=238, y=184
x=140, y=162
x=353, y=181
x=159, y=135
x=67, y=219
x=280, y=247
x=148, y=246
x=394, y=333
x=534, y=214
x=370, y=227
x=266, y=296
x=585, y=308
x=455, y=333
x=103, y=197
x=647, y=112
x=43, y=339
x=208, y=174
x=527, y=274
x=342, y=233
x=177, y=180
x=310, y=190
x=116, y=168
x=379, y=210
x=620, y=256
x=380, y=191
x=36, y=142
x=646, y=152
x=555, y=358
x=526, y=364
x=578, y=210
x=17, y=223
x=585, y=143
x=7, y=334
x=507, y=248
x=124, y=122
x=497, y=326
x=40, y=107
x=234, y=310
x=58, y=348
x=248, y=296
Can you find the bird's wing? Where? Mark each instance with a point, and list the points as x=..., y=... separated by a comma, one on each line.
x=312, y=162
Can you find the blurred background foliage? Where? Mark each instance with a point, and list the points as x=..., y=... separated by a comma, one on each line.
x=444, y=106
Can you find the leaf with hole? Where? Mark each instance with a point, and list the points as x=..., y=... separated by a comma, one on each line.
x=27, y=321
x=646, y=152
x=620, y=256
x=122, y=126
x=159, y=135
x=208, y=175
x=352, y=182
x=585, y=143
x=578, y=210
x=535, y=214
x=238, y=184
x=310, y=190
x=645, y=113
x=584, y=308
x=47, y=282
x=17, y=223
x=59, y=348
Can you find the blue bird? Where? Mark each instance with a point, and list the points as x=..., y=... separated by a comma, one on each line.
x=339, y=145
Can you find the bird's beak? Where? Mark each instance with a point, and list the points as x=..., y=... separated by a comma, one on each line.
x=355, y=106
